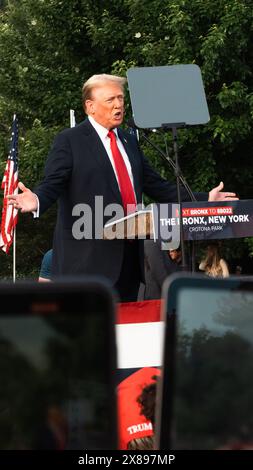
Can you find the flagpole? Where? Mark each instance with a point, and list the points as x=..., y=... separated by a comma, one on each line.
x=72, y=118
x=14, y=237
x=14, y=255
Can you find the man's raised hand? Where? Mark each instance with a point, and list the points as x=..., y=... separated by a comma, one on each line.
x=216, y=194
x=26, y=201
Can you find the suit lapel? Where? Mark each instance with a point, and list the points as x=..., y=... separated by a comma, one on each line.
x=98, y=151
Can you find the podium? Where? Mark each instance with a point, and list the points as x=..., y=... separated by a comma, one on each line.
x=136, y=225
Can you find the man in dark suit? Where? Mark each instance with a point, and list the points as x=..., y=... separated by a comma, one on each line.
x=82, y=166
x=159, y=264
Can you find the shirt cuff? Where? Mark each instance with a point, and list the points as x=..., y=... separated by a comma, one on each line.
x=36, y=213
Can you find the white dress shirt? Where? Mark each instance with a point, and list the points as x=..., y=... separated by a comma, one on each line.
x=106, y=141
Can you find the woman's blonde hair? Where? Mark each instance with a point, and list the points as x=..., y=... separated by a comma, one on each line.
x=212, y=260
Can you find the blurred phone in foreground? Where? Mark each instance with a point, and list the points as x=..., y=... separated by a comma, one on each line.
x=206, y=395
x=57, y=366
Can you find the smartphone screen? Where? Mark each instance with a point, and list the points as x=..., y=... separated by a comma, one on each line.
x=57, y=362
x=208, y=369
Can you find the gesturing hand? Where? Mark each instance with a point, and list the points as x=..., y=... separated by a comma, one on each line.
x=25, y=201
x=216, y=194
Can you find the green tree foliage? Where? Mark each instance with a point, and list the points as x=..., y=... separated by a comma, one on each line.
x=49, y=47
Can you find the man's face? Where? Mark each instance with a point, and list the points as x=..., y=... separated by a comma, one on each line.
x=106, y=105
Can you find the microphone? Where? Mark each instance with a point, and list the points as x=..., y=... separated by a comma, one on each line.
x=131, y=123
x=133, y=129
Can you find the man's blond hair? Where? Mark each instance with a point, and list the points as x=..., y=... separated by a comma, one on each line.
x=99, y=80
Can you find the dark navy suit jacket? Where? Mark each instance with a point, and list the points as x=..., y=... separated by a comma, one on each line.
x=78, y=169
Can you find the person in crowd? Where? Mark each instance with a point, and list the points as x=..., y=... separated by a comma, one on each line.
x=136, y=431
x=238, y=270
x=176, y=255
x=159, y=264
x=147, y=399
x=46, y=267
x=213, y=264
x=97, y=159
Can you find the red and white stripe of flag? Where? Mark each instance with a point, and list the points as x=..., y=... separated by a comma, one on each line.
x=10, y=186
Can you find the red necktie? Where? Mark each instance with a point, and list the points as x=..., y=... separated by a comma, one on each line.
x=125, y=184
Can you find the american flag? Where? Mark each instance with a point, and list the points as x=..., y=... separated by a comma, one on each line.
x=10, y=186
